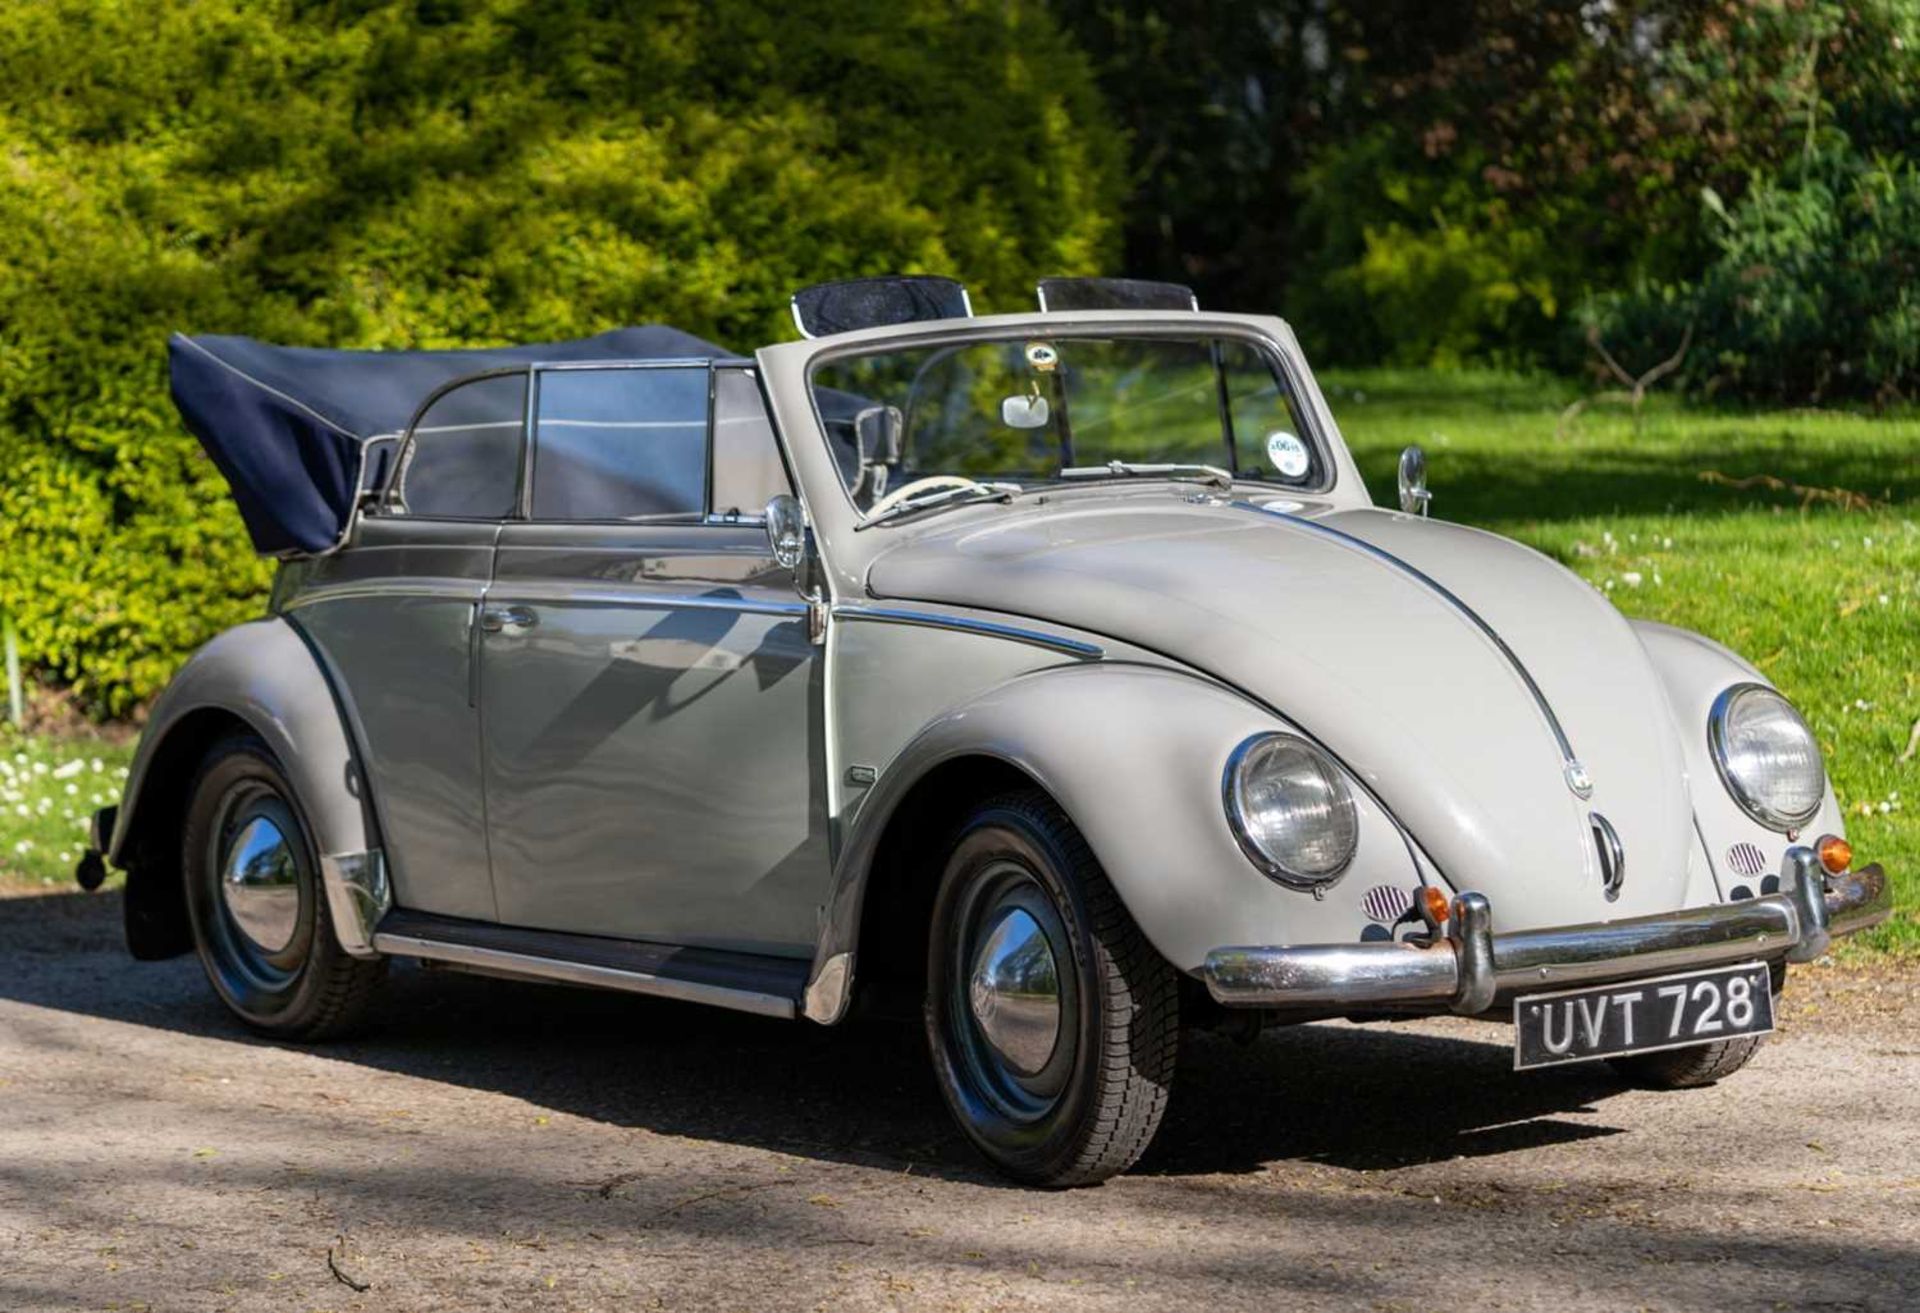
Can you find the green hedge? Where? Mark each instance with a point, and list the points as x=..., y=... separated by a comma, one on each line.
x=449, y=173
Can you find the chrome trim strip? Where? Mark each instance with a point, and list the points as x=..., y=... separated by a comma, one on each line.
x=563, y=594
x=581, y=973
x=553, y=595
x=967, y=624
x=466, y=590
x=358, y=895
x=1453, y=600
x=1472, y=969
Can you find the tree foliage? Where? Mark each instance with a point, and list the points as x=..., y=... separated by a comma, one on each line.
x=458, y=172
x=1812, y=293
x=1425, y=180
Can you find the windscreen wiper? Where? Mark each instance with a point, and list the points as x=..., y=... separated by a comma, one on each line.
x=1212, y=474
x=937, y=497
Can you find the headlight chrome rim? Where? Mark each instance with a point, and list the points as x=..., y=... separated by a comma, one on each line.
x=1757, y=808
x=1266, y=863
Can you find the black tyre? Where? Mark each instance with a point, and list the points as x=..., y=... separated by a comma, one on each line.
x=1685, y=1069
x=1701, y=1064
x=1053, y=1023
x=259, y=916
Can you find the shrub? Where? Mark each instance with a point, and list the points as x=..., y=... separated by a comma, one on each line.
x=1810, y=297
x=457, y=172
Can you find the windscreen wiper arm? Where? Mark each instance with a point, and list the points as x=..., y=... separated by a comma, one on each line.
x=1213, y=474
x=943, y=497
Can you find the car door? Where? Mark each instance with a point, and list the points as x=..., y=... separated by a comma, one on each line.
x=393, y=616
x=651, y=702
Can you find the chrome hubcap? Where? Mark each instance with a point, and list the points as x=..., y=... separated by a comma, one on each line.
x=1014, y=993
x=260, y=884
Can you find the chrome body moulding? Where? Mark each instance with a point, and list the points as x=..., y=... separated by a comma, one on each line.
x=968, y=624
x=1473, y=968
x=358, y=895
x=529, y=966
x=1576, y=774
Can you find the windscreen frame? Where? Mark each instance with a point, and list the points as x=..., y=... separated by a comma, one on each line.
x=1269, y=348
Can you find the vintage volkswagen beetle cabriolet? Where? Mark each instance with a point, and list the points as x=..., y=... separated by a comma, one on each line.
x=1052, y=671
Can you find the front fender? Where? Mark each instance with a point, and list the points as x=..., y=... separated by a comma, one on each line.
x=262, y=676
x=1745, y=855
x=1136, y=756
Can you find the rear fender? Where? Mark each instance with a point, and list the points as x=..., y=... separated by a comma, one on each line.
x=261, y=677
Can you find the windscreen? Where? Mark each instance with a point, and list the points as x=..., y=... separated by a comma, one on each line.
x=1023, y=410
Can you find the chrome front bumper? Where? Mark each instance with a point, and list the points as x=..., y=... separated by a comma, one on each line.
x=1470, y=968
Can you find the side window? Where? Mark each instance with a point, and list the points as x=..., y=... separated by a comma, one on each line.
x=620, y=444
x=747, y=471
x=462, y=458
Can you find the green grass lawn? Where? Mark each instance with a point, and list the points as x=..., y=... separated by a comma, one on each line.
x=1825, y=600
x=49, y=789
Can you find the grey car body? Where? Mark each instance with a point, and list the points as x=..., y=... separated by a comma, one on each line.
x=651, y=756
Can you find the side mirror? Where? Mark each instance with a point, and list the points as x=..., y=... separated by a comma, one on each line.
x=1413, y=481
x=786, y=530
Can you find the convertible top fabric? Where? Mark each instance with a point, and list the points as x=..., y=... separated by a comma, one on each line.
x=287, y=425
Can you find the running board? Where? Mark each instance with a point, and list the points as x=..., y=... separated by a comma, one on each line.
x=745, y=982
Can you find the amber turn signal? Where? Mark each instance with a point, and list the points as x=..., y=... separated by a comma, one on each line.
x=1434, y=904
x=1836, y=854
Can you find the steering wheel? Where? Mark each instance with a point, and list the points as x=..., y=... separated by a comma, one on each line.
x=906, y=492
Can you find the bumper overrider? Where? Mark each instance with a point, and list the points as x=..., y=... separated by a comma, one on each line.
x=1467, y=968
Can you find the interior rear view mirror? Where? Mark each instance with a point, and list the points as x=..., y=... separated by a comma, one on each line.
x=1025, y=412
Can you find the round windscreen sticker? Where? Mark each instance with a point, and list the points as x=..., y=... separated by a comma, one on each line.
x=1287, y=453
x=1042, y=356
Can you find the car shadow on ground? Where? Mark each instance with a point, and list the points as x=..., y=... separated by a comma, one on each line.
x=1368, y=1098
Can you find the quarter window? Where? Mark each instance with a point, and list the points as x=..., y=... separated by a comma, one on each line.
x=747, y=471
x=620, y=444
x=462, y=457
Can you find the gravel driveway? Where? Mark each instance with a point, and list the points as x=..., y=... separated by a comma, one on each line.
x=494, y=1145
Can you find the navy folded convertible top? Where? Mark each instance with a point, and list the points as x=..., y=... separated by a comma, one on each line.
x=287, y=425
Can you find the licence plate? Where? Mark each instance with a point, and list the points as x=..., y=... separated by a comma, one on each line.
x=1640, y=1016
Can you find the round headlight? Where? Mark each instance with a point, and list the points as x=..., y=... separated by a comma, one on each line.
x=1766, y=755
x=1291, y=810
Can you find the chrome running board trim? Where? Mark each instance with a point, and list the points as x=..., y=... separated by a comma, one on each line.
x=762, y=984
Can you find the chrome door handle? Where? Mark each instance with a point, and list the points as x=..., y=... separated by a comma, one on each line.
x=507, y=619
